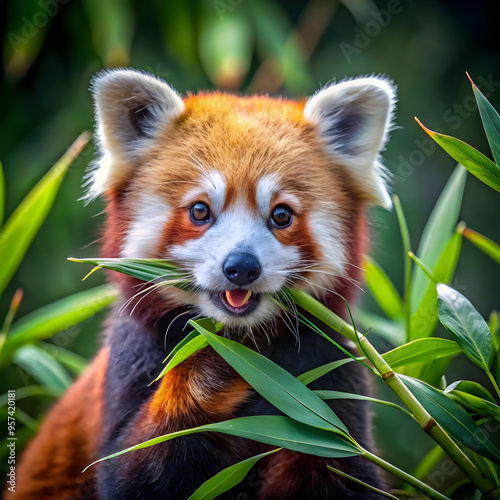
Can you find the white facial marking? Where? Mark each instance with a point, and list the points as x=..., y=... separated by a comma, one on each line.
x=214, y=186
x=267, y=187
x=144, y=234
x=327, y=232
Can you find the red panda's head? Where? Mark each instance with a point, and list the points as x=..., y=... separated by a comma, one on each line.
x=246, y=194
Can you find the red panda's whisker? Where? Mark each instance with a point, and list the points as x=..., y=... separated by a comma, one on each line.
x=188, y=311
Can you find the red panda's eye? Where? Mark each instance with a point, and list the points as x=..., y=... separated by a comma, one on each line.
x=281, y=216
x=200, y=212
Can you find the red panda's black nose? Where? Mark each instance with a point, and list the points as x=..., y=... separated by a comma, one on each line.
x=241, y=268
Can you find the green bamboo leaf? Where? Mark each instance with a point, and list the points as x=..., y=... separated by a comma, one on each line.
x=474, y=161
x=424, y=319
x=70, y=360
x=489, y=247
x=437, y=233
x=22, y=226
x=361, y=483
x=29, y=391
x=2, y=194
x=48, y=320
x=405, y=240
x=190, y=336
x=478, y=405
x=452, y=418
x=154, y=271
x=275, y=430
x=188, y=345
x=425, y=349
x=491, y=121
x=195, y=344
x=42, y=367
x=465, y=325
x=325, y=394
x=310, y=376
x=227, y=478
x=382, y=289
x=274, y=383
x=470, y=388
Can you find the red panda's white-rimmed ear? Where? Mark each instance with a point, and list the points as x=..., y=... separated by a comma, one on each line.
x=131, y=108
x=354, y=118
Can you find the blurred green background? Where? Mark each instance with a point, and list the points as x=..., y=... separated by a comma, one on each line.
x=51, y=50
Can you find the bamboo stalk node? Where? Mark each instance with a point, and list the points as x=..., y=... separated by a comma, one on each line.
x=430, y=423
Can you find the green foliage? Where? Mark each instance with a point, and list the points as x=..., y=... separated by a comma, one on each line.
x=20, y=340
x=474, y=161
x=227, y=478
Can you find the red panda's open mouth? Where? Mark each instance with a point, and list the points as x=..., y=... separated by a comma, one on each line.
x=238, y=302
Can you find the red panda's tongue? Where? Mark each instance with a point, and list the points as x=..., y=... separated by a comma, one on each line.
x=238, y=298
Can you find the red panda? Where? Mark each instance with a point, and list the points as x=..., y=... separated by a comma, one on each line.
x=246, y=195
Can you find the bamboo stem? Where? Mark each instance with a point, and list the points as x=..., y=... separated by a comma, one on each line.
x=427, y=423
x=493, y=382
x=408, y=478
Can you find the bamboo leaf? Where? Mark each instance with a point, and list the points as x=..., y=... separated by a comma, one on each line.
x=325, y=394
x=478, y=405
x=424, y=320
x=489, y=247
x=31, y=390
x=473, y=160
x=227, y=478
x=193, y=345
x=361, y=483
x=425, y=349
x=491, y=121
x=159, y=272
x=382, y=289
x=274, y=383
x=22, y=226
x=437, y=233
x=470, y=388
x=310, y=376
x=465, y=325
x=452, y=418
x=42, y=367
x=2, y=195
x=48, y=320
x=70, y=360
x=275, y=430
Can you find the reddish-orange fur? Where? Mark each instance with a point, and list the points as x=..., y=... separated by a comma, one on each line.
x=66, y=443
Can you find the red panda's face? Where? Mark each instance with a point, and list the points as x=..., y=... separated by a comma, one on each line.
x=245, y=195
